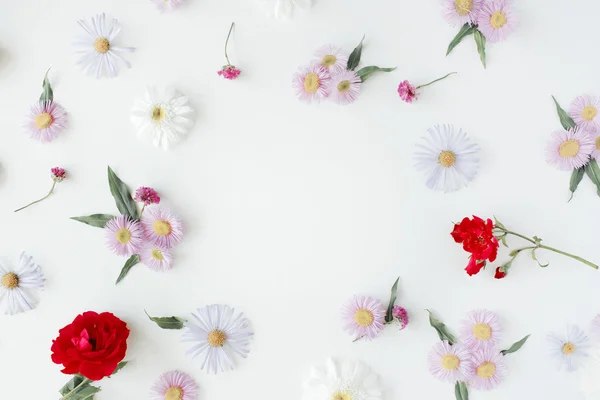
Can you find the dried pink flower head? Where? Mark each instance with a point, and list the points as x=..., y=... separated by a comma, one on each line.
x=146, y=195
x=407, y=91
x=58, y=174
x=401, y=315
x=229, y=72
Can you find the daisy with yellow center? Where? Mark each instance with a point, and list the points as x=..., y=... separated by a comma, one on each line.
x=497, y=20
x=449, y=363
x=345, y=87
x=481, y=330
x=363, y=317
x=174, y=385
x=569, y=150
x=312, y=82
x=156, y=258
x=342, y=380
x=570, y=350
x=163, y=228
x=124, y=236
x=46, y=118
x=17, y=286
x=460, y=12
x=584, y=112
x=333, y=58
x=488, y=369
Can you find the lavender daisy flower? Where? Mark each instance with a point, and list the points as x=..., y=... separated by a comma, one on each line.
x=497, y=20
x=311, y=83
x=162, y=227
x=46, y=121
x=174, y=385
x=460, y=12
x=345, y=87
x=481, y=330
x=363, y=317
x=488, y=369
x=570, y=350
x=124, y=236
x=569, y=150
x=595, y=136
x=156, y=258
x=584, y=111
x=449, y=363
x=218, y=334
x=333, y=58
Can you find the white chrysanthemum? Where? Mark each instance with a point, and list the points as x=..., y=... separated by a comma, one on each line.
x=342, y=380
x=570, y=350
x=99, y=51
x=283, y=9
x=162, y=117
x=16, y=286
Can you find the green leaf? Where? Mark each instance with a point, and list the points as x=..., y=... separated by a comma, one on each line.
x=480, y=40
x=72, y=384
x=122, y=195
x=593, y=172
x=354, y=58
x=498, y=223
x=97, y=220
x=466, y=30
x=441, y=329
x=366, y=72
x=130, y=263
x=120, y=366
x=460, y=391
x=576, y=178
x=167, y=322
x=566, y=121
x=536, y=260
x=86, y=392
x=516, y=346
x=47, y=94
x=393, y=296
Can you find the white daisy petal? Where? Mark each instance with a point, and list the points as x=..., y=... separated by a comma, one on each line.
x=570, y=350
x=17, y=286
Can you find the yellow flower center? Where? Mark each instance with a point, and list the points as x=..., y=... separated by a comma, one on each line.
x=102, y=45
x=161, y=228
x=174, y=392
x=482, y=331
x=589, y=113
x=569, y=148
x=498, y=19
x=363, y=317
x=341, y=396
x=486, y=370
x=450, y=362
x=568, y=348
x=10, y=280
x=328, y=60
x=343, y=86
x=311, y=82
x=598, y=143
x=158, y=113
x=157, y=255
x=43, y=120
x=447, y=158
x=216, y=338
x=463, y=7
x=123, y=235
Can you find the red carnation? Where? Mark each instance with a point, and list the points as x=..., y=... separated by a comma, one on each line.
x=500, y=273
x=477, y=238
x=92, y=345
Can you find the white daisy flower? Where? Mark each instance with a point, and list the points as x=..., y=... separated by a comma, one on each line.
x=448, y=157
x=218, y=334
x=99, y=51
x=342, y=380
x=16, y=286
x=163, y=117
x=283, y=9
x=570, y=350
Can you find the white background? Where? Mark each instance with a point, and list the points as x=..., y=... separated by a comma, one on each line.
x=289, y=208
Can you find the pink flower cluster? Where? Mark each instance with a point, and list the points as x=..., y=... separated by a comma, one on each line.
x=495, y=19
x=229, y=72
x=407, y=91
x=58, y=174
x=401, y=315
x=146, y=195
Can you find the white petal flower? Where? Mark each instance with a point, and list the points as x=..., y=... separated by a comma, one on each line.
x=570, y=350
x=283, y=9
x=99, y=50
x=16, y=286
x=162, y=117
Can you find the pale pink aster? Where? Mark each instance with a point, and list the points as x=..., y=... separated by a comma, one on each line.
x=167, y=5
x=146, y=195
x=407, y=91
x=333, y=58
x=595, y=136
x=174, y=385
x=481, y=330
x=488, y=369
x=58, y=174
x=401, y=315
x=345, y=87
x=585, y=112
x=229, y=72
x=311, y=82
x=363, y=317
x=156, y=258
x=46, y=120
x=124, y=236
x=449, y=363
x=162, y=227
x=459, y=12
x=569, y=150
x=496, y=20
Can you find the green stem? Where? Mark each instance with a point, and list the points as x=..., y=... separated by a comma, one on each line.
x=586, y=262
x=37, y=201
x=521, y=236
x=142, y=212
x=72, y=392
x=227, y=42
x=439, y=79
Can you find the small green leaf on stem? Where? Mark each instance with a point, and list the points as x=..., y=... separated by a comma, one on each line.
x=393, y=297
x=120, y=366
x=460, y=391
x=566, y=121
x=122, y=195
x=536, y=260
x=167, y=322
x=593, y=172
x=516, y=346
x=47, y=94
x=576, y=177
x=466, y=30
x=354, y=58
x=366, y=72
x=441, y=329
x=499, y=224
x=97, y=220
x=480, y=41
x=130, y=263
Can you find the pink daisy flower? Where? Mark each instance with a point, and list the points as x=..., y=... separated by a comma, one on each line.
x=459, y=12
x=407, y=91
x=46, y=121
x=363, y=317
x=497, y=20
x=312, y=83
x=156, y=258
x=345, y=87
x=162, y=227
x=488, y=369
x=401, y=315
x=124, y=236
x=449, y=363
x=481, y=330
x=229, y=72
x=167, y=5
x=333, y=58
x=174, y=385
x=569, y=150
x=584, y=111
x=595, y=136
x=146, y=195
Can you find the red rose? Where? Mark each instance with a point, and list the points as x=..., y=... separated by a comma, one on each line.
x=92, y=345
x=499, y=273
x=477, y=238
